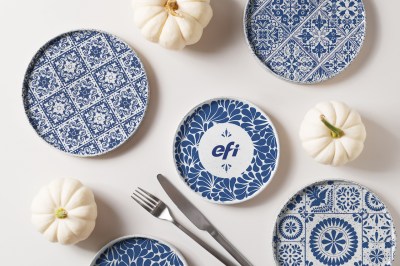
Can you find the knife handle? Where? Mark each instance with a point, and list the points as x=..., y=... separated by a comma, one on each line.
x=213, y=252
x=230, y=248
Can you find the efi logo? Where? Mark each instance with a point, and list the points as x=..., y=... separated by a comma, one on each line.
x=221, y=150
x=226, y=150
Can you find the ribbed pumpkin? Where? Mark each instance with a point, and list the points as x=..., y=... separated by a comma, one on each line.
x=65, y=211
x=333, y=133
x=172, y=23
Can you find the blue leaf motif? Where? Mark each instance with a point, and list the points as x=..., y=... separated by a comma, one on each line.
x=256, y=175
x=226, y=189
x=138, y=251
x=226, y=134
x=317, y=196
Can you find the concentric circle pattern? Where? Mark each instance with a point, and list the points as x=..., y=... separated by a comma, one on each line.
x=334, y=223
x=290, y=227
x=333, y=241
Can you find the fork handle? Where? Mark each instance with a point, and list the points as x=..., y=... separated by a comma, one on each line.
x=212, y=251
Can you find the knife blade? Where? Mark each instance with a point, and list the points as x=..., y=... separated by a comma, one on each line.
x=198, y=219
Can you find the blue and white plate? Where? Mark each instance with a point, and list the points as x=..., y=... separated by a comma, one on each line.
x=305, y=41
x=85, y=92
x=226, y=150
x=334, y=223
x=138, y=251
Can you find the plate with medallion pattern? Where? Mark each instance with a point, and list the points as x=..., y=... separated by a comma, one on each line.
x=138, y=250
x=226, y=150
x=305, y=41
x=85, y=92
x=334, y=223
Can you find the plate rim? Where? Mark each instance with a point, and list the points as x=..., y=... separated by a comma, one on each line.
x=276, y=137
x=301, y=82
x=30, y=68
x=116, y=240
x=317, y=181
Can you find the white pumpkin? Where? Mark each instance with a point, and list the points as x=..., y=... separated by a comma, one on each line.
x=65, y=211
x=172, y=23
x=332, y=133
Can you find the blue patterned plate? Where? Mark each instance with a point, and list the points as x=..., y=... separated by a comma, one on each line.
x=85, y=92
x=305, y=41
x=138, y=251
x=226, y=150
x=334, y=223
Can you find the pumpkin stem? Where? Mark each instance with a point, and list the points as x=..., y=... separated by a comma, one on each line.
x=171, y=6
x=61, y=213
x=335, y=132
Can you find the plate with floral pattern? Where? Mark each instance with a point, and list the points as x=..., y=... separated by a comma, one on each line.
x=305, y=41
x=138, y=250
x=85, y=92
x=334, y=222
x=226, y=150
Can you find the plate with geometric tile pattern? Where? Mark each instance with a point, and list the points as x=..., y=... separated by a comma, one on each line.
x=334, y=222
x=85, y=92
x=305, y=41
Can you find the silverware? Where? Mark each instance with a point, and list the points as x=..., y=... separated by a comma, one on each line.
x=160, y=210
x=199, y=220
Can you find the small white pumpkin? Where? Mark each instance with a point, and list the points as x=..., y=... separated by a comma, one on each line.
x=332, y=133
x=65, y=211
x=172, y=23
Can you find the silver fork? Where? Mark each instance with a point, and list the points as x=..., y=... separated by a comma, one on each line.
x=160, y=210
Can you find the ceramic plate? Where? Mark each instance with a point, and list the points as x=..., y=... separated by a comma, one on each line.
x=85, y=92
x=138, y=251
x=334, y=223
x=305, y=41
x=226, y=150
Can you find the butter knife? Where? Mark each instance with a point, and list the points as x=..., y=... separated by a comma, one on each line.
x=198, y=219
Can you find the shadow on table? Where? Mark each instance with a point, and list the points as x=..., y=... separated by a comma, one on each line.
x=381, y=149
x=369, y=46
x=148, y=119
x=278, y=181
x=226, y=21
x=108, y=227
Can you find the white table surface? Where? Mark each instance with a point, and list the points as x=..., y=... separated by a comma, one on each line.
x=219, y=65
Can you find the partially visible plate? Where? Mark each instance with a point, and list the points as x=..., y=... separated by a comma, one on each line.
x=305, y=41
x=137, y=251
x=226, y=150
x=334, y=223
x=85, y=92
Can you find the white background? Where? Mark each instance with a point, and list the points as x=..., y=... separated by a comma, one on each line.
x=219, y=65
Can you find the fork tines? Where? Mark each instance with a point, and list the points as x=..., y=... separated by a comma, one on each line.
x=145, y=199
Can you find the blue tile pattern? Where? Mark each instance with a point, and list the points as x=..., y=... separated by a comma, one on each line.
x=305, y=41
x=85, y=92
x=334, y=223
x=256, y=175
x=138, y=251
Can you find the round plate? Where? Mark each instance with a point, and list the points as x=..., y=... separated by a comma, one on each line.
x=305, y=41
x=138, y=250
x=85, y=92
x=226, y=150
x=334, y=223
